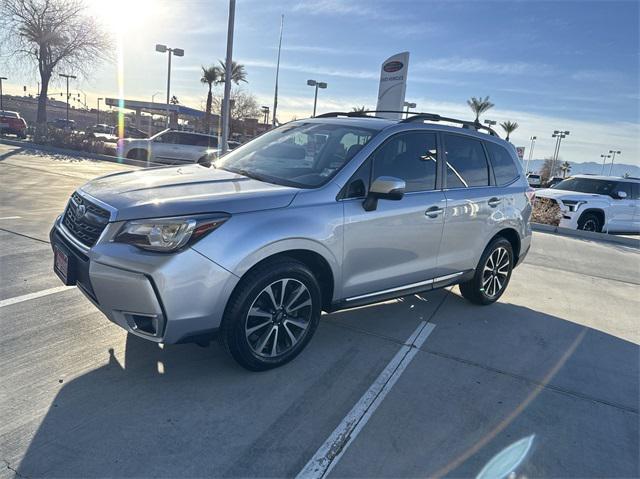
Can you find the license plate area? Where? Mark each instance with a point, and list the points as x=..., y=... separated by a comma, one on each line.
x=63, y=265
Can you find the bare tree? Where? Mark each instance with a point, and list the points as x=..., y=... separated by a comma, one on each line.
x=546, y=172
x=244, y=105
x=54, y=35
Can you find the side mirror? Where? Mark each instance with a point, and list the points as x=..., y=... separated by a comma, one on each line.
x=385, y=188
x=621, y=195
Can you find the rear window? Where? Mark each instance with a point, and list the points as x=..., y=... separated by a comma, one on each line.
x=503, y=164
x=466, y=162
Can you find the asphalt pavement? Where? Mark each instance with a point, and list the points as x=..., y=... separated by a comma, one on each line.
x=547, y=378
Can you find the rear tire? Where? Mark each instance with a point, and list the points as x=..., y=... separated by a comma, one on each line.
x=272, y=315
x=590, y=222
x=492, y=274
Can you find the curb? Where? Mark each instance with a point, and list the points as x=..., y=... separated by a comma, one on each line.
x=75, y=153
x=603, y=237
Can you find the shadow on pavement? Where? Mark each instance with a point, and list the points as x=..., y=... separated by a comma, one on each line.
x=189, y=411
x=9, y=154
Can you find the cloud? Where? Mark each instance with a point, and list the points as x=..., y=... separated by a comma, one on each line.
x=480, y=65
x=328, y=71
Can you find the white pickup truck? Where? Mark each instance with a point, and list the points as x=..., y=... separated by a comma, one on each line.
x=172, y=147
x=597, y=203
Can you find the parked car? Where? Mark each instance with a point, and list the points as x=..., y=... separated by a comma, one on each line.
x=597, y=203
x=534, y=180
x=170, y=146
x=103, y=132
x=64, y=124
x=281, y=229
x=13, y=124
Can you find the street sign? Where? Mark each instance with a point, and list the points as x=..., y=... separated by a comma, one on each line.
x=520, y=151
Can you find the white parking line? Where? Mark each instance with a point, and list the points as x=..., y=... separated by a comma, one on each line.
x=10, y=218
x=38, y=294
x=334, y=447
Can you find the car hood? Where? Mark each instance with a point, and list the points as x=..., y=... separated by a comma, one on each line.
x=185, y=190
x=566, y=195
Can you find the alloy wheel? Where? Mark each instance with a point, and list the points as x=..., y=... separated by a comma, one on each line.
x=590, y=225
x=495, y=272
x=278, y=318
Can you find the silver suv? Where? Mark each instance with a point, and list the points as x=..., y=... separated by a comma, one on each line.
x=320, y=214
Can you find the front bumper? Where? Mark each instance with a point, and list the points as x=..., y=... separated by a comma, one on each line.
x=168, y=298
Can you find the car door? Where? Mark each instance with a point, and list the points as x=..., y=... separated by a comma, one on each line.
x=635, y=196
x=163, y=147
x=620, y=215
x=395, y=245
x=473, y=204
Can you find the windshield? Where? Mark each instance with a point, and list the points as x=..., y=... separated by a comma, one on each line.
x=305, y=155
x=587, y=185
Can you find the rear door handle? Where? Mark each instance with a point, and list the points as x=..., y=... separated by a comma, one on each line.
x=493, y=202
x=433, y=212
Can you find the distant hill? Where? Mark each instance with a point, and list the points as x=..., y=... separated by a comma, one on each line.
x=593, y=168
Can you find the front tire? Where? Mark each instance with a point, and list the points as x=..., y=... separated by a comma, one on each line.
x=272, y=315
x=492, y=274
x=590, y=222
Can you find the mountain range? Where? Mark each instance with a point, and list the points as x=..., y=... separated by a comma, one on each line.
x=592, y=168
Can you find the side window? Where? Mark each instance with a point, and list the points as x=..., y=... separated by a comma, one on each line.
x=466, y=162
x=169, y=137
x=206, y=141
x=624, y=186
x=359, y=183
x=502, y=162
x=411, y=157
x=635, y=191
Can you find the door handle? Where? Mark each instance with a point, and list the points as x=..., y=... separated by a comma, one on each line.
x=433, y=212
x=493, y=202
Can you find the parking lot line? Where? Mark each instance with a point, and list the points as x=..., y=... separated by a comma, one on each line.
x=329, y=454
x=10, y=218
x=38, y=294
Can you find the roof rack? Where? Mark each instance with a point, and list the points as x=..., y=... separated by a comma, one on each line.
x=414, y=116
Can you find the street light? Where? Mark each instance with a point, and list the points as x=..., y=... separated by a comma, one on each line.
x=559, y=135
x=614, y=152
x=316, y=84
x=533, y=143
x=604, y=161
x=98, y=112
x=265, y=111
x=490, y=123
x=408, y=105
x=179, y=52
x=1, y=78
x=63, y=75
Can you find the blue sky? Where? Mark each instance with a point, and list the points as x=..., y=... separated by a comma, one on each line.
x=547, y=65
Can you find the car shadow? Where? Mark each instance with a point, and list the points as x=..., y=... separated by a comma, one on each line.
x=9, y=154
x=189, y=411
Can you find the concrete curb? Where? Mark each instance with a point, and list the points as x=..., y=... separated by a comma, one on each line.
x=75, y=153
x=604, y=237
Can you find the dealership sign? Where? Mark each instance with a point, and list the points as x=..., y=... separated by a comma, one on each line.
x=393, y=85
x=520, y=151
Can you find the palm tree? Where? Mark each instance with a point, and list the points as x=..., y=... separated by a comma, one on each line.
x=238, y=73
x=566, y=168
x=210, y=76
x=509, y=127
x=359, y=109
x=479, y=106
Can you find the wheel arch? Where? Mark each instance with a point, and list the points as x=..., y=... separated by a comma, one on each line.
x=595, y=211
x=511, y=235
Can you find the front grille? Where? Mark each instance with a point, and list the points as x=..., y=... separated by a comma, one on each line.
x=85, y=220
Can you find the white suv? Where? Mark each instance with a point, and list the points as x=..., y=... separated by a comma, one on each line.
x=597, y=203
x=171, y=147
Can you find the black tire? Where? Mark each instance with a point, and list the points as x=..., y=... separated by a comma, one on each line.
x=590, y=222
x=138, y=154
x=490, y=273
x=251, y=294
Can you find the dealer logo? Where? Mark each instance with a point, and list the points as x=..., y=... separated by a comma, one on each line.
x=393, y=66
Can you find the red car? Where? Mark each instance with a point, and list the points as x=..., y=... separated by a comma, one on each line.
x=11, y=122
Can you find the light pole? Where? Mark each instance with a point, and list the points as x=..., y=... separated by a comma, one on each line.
x=179, y=52
x=228, y=61
x=613, y=158
x=265, y=111
x=408, y=105
x=67, y=78
x=604, y=161
x=533, y=143
x=1, y=78
x=317, y=84
x=559, y=135
x=98, y=111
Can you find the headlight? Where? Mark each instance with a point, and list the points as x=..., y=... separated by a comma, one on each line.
x=573, y=205
x=168, y=234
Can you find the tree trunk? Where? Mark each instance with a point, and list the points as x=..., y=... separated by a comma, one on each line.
x=41, y=118
x=207, y=114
